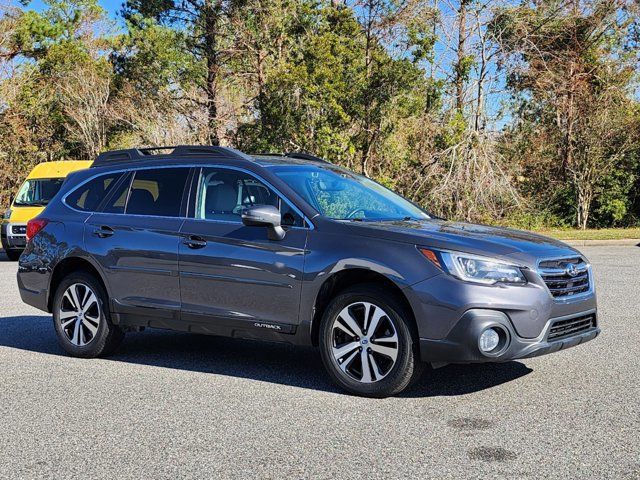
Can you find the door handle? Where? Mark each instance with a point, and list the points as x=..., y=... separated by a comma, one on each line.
x=195, y=242
x=103, y=232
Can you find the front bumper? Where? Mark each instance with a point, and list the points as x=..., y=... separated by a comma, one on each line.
x=461, y=345
x=14, y=236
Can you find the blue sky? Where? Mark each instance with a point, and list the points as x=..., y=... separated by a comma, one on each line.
x=112, y=6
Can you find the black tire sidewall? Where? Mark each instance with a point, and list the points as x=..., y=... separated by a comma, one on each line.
x=13, y=255
x=402, y=372
x=100, y=342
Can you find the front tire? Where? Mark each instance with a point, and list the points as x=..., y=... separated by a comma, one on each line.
x=82, y=319
x=367, y=344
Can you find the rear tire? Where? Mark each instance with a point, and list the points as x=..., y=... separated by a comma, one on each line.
x=82, y=319
x=368, y=342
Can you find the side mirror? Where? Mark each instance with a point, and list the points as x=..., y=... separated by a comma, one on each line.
x=10, y=200
x=264, y=216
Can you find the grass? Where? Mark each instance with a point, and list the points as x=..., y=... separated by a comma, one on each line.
x=593, y=234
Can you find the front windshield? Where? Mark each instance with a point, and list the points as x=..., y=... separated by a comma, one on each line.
x=342, y=195
x=38, y=192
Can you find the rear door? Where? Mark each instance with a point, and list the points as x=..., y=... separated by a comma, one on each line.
x=135, y=239
x=232, y=277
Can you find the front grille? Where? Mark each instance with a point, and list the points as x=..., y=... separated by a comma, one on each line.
x=573, y=326
x=19, y=229
x=565, y=277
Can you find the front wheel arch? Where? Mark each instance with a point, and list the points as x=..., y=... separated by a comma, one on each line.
x=344, y=279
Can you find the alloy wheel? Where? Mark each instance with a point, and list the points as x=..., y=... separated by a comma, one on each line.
x=79, y=314
x=364, y=342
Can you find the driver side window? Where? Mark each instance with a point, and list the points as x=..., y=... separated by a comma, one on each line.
x=223, y=194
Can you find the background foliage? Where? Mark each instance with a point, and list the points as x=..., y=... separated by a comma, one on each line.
x=520, y=113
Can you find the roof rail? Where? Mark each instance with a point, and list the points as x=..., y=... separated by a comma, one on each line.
x=137, y=154
x=306, y=156
x=301, y=156
x=269, y=154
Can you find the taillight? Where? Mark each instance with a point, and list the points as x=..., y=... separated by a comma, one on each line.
x=34, y=226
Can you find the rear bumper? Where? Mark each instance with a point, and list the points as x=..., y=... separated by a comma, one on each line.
x=35, y=298
x=461, y=345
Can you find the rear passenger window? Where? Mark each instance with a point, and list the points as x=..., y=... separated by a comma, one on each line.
x=88, y=197
x=157, y=192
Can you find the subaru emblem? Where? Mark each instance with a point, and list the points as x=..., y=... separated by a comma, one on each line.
x=571, y=270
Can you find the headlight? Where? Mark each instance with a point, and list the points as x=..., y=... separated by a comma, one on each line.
x=473, y=268
x=7, y=214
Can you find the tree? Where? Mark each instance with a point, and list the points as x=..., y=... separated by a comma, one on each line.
x=156, y=97
x=332, y=91
x=388, y=74
x=205, y=24
x=310, y=96
x=481, y=110
x=84, y=97
x=568, y=64
x=42, y=52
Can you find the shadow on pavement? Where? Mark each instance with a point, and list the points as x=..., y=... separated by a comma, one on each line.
x=267, y=362
x=454, y=380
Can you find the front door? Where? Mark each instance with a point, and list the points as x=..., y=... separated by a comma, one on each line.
x=233, y=279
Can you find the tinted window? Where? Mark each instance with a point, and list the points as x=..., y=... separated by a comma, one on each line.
x=223, y=194
x=157, y=192
x=118, y=199
x=89, y=195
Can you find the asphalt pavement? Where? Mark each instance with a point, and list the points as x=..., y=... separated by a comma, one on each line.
x=172, y=405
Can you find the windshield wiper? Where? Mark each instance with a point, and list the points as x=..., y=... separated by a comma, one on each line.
x=403, y=219
x=360, y=219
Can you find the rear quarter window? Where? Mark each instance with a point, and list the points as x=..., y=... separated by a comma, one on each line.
x=88, y=196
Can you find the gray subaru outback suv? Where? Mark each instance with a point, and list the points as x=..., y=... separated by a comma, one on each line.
x=292, y=248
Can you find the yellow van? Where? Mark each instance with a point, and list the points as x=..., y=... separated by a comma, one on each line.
x=38, y=189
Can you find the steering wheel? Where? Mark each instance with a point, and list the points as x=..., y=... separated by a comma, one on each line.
x=353, y=212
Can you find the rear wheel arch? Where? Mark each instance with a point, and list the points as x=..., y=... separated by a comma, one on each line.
x=340, y=281
x=71, y=265
x=81, y=316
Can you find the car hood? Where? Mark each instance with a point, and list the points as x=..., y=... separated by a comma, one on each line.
x=525, y=248
x=23, y=214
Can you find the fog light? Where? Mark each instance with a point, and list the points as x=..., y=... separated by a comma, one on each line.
x=489, y=340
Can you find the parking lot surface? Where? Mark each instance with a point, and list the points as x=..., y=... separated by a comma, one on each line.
x=172, y=405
